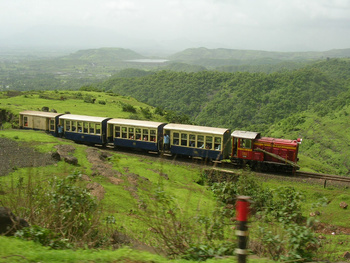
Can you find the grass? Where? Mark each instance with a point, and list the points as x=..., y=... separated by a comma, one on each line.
x=14, y=250
x=73, y=101
x=123, y=204
x=325, y=145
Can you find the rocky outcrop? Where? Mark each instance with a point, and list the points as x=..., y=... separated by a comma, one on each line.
x=64, y=152
x=343, y=205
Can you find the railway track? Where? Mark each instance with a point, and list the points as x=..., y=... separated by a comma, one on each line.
x=326, y=177
x=226, y=167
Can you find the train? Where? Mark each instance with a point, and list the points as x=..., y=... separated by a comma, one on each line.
x=241, y=148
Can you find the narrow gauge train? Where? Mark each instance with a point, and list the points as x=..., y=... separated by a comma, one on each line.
x=217, y=144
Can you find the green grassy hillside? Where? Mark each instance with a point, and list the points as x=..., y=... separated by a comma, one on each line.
x=145, y=198
x=325, y=133
x=154, y=204
x=79, y=102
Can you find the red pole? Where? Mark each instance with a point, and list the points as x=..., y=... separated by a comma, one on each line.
x=242, y=211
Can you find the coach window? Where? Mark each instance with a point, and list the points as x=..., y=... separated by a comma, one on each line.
x=98, y=128
x=117, y=131
x=80, y=126
x=200, y=141
x=184, y=139
x=208, y=142
x=124, y=132
x=25, y=121
x=217, y=143
x=176, y=138
x=74, y=126
x=52, y=124
x=153, y=135
x=67, y=125
x=145, y=134
x=192, y=140
x=86, y=127
x=91, y=127
x=131, y=133
x=138, y=134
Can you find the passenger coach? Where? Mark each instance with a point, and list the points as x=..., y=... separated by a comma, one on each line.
x=39, y=120
x=199, y=141
x=144, y=135
x=87, y=129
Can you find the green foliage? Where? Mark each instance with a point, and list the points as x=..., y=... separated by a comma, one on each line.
x=174, y=117
x=43, y=236
x=128, y=108
x=89, y=99
x=237, y=100
x=61, y=211
x=291, y=240
x=184, y=235
x=287, y=205
x=159, y=111
x=72, y=206
x=205, y=252
x=88, y=88
x=132, y=73
x=146, y=112
x=246, y=185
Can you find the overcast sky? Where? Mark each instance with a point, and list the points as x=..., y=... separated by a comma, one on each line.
x=272, y=25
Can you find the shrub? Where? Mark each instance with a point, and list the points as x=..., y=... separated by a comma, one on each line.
x=44, y=236
x=128, y=108
x=183, y=235
x=60, y=209
x=146, y=113
x=89, y=99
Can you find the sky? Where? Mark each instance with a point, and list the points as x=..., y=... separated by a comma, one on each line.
x=174, y=25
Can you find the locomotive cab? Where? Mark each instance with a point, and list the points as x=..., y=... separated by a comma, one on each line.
x=242, y=146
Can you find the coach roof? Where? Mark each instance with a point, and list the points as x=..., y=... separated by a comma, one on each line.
x=195, y=128
x=40, y=113
x=135, y=123
x=83, y=118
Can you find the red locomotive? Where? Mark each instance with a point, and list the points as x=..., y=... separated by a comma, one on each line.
x=264, y=153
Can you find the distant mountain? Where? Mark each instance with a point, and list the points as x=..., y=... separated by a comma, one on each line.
x=105, y=54
x=224, y=57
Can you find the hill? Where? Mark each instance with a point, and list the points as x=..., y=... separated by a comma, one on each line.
x=104, y=55
x=223, y=57
x=249, y=101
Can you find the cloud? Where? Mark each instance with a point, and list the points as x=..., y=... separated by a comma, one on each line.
x=248, y=24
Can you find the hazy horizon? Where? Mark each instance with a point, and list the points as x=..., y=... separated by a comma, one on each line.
x=165, y=27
